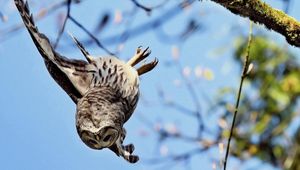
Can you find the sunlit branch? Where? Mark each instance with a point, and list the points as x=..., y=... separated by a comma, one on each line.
x=260, y=12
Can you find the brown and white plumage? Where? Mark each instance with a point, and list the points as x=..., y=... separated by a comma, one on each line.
x=105, y=89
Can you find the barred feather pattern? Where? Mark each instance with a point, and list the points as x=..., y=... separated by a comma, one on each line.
x=90, y=119
x=105, y=89
x=121, y=77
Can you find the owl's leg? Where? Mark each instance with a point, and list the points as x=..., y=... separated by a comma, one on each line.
x=124, y=151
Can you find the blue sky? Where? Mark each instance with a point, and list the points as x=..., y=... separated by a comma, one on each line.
x=38, y=118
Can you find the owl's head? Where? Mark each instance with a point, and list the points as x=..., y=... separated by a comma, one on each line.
x=99, y=121
x=103, y=138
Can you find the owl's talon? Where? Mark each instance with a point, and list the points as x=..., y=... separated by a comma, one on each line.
x=138, y=50
x=147, y=67
x=129, y=148
x=132, y=158
x=139, y=56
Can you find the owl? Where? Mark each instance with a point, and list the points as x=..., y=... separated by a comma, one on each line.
x=104, y=89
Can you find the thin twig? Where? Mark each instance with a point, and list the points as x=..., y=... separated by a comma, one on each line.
x=64, y=24
x=90, y=34
x=142, y=28
x=175, y=105
x=195, y=99
x=148, y=9
x=287, y=5
x=141, y=6
x=243, y=76
x=177, y=157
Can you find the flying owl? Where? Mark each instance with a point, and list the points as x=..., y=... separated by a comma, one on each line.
x=105, y=89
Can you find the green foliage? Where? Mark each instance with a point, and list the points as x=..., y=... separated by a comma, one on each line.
x=268, y=105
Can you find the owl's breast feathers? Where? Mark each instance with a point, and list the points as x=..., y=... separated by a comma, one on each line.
x=119, y=76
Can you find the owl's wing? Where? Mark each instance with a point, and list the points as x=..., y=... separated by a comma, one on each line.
x=73, y=76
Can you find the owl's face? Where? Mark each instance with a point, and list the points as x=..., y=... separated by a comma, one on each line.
x=104, y=138
x=98, y=130
x=99, y=122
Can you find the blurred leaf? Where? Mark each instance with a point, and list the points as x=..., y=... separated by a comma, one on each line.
x=291, y=83
x=269, y=101
x=262, y=124
x=253, y=149
x=279, y=96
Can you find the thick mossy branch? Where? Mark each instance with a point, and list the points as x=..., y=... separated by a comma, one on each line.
x=262, y=13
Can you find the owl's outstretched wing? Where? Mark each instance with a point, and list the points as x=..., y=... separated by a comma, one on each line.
x=73, y=76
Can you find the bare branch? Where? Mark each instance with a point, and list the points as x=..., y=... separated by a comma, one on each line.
x=144, y=27
x=64, y=24
x=90, y=34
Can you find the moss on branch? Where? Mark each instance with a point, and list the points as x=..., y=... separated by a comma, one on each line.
x=262, y=13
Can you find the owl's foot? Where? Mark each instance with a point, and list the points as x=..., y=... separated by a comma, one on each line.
x=129, y=148
x=126, y=153
x=124, y=150
x=139, y=56
x=132, y=158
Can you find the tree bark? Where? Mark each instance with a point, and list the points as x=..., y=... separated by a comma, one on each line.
x=262, y=13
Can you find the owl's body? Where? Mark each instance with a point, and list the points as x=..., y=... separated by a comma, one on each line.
x=105, y=89
x=115, y=74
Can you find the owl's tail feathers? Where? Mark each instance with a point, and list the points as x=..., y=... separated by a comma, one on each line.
x=86, y=54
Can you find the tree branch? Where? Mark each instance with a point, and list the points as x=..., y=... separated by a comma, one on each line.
x=262, y=13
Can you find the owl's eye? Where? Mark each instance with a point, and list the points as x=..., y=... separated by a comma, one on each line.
x=93, y=142
x=107, y=138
